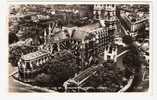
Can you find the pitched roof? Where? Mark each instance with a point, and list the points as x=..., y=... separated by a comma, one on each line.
x=34, y=55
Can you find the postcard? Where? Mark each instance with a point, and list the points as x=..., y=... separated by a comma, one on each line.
x=79, y=47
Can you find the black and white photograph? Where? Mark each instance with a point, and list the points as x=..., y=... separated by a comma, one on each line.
x=79, y=48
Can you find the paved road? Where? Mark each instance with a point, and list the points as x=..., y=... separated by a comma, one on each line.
x=143, y=86
x=17, y=86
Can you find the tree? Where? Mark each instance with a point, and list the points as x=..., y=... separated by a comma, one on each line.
x=14, y=55
x=59, y=69
x=133, y=67
x=12, y=38
x=127, y=40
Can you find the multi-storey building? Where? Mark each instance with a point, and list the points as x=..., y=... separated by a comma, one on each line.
x=132, y=21
x=102, y=11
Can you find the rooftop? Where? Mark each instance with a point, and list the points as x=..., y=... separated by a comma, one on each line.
x=136, y=17
x=76, y=32
x=34, y=55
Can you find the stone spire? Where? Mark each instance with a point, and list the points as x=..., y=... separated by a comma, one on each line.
x=50, y=29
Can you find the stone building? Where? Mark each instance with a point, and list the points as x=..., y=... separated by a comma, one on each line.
x=102, y=11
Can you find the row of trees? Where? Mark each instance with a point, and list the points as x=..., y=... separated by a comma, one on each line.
x=133, y=61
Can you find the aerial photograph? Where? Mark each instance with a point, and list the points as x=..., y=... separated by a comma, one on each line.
x=78, y=48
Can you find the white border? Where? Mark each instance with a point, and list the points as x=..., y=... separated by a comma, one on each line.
x=4, y=53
